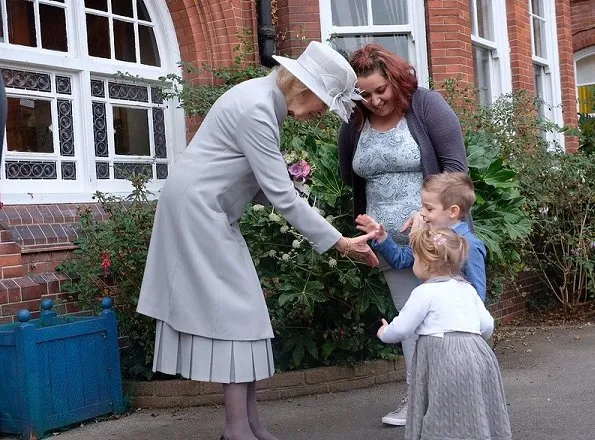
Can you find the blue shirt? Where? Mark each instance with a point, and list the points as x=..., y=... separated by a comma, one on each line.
x=401, y=257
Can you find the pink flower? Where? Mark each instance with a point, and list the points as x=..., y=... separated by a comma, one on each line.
x=300, y=171
x=106, y=263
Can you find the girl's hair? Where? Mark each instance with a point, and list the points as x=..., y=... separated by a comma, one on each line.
x=442, y=249
x=288, y=83
x=399, y=73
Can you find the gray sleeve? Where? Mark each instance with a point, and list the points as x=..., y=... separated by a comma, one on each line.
x=444, y=129
x=258, y=138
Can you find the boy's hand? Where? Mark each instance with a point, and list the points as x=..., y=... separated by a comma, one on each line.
x=367, y=224
x=417, y=222
x=381, y=329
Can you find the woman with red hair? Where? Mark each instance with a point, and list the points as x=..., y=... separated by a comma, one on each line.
x=398, y=135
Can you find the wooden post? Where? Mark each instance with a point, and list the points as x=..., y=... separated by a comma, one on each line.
x=32, y=415
x=114, y=355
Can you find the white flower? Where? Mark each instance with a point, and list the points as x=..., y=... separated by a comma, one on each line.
x=332, y=262
x=284, y=229
x=544, y=210
x=296, y=244
x=272, y=252
x=257, y=208
x=274, y=217
x=285, y=257
x=330, y=219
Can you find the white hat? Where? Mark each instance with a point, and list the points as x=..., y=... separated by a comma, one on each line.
x=327, y=74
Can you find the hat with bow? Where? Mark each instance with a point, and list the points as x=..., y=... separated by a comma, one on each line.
x=328, y=75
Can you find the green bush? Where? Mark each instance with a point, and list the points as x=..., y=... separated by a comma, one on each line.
x=110, y=261
x=560, y=190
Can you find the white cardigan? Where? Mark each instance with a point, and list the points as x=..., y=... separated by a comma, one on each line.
x=439, y=307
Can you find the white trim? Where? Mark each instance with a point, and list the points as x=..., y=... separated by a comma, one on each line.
x=416, y=29
x=552, y=86
x=499, y=65
x=579, y=55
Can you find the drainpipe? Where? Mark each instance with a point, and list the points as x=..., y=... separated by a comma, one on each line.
x=266, y=33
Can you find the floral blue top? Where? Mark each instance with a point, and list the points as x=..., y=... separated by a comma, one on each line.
x=390, y=162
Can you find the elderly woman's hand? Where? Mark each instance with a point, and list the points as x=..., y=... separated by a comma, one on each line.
x=358, y=248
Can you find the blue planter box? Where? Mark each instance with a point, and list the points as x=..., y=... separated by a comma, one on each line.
x=56, y=371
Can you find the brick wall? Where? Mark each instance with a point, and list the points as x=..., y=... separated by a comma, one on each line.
x=519, y=35
x=34, y=239
x=512, y=303
x=449, y=40
x=185, y=393
x=297, y=23
x=583, y=23
x=208, y=31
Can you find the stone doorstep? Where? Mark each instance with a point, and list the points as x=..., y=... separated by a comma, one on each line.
x=188, y=393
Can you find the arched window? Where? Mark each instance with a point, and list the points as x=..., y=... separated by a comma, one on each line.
x=75, y=123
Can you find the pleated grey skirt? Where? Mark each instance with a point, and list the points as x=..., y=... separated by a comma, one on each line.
x=456, y=391
x=211, y=360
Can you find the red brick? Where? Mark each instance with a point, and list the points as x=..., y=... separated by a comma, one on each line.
x=12, y=271
x=13, y=308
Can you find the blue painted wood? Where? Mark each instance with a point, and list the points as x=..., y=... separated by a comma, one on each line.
x=56, y=371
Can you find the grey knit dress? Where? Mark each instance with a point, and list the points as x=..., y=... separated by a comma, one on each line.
x=476, y=408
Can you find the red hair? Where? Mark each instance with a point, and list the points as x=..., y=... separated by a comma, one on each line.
x=399, y=73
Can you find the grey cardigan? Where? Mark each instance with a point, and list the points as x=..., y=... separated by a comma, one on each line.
x=434, y=126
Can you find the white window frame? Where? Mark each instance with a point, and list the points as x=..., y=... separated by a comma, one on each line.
x=80, y=67
x=416, y=29
x=499, y=64
x=550, y=70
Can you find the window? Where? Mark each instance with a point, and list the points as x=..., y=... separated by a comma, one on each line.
x=489, y=37
x=585, y=79
x=546, y=70
x=72, y=120
x=399, y=25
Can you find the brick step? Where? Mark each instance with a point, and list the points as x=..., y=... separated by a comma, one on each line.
x=26, y=292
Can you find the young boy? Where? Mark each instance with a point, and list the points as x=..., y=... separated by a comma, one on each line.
x=446, y=200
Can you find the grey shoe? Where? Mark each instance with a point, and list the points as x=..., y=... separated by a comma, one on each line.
x=397, y=417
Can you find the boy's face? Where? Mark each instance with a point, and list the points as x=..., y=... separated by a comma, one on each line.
x=436, y=215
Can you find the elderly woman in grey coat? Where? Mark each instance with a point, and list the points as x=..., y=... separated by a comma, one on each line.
x=200, y=283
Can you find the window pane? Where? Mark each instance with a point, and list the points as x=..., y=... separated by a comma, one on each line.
x=397, y=44
x=53, y=28
x=122, y=7
x=98, y=36
x=484, y=20
x=539, y=37
x=389, y=12
x=141, y=11
x=346, y=45
x=29, y=126
x=537, y=8
x=131, y=131
x=124, y=41
x=481, y=59
x=149, y=54
x=100, y=5
x=350, y=12
x=539, y=78
x=21, y=23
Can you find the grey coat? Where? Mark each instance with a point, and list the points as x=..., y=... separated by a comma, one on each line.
x=199, y=276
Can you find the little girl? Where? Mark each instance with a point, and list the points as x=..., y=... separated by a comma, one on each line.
x=456, y=389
